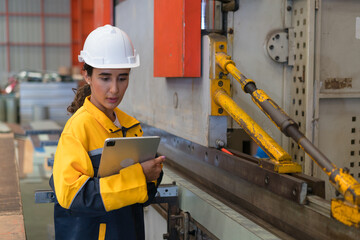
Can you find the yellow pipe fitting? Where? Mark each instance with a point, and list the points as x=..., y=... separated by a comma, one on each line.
x=223, y=60
x=268, y=144
x=260, y=95
x=348, y=186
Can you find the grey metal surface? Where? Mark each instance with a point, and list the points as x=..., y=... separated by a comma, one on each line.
x=291, y=187
x=167, y=190
x=277, y=46
x=3, y=64
x=25, y=28
x=339, y=47
x=251, y=30
x=217, y=135
x=150, y=99
x=2, y=4
x=339, y=138
x=236, y=184
x=211, y=15
x=155, y=224
x=334, y=48
x=25, y=6
x=20, y=29
x=58, y=30
x=221, y=220
x=164, y=191
x=2, y=27
x=55, y=96
x=42, y=127
x=22, y=57
x=338, y=86
x=299, y=221
x=241, y=165
x=56, y=57
x=56, y=6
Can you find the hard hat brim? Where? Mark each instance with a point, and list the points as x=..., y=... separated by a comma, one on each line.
x=110, y=66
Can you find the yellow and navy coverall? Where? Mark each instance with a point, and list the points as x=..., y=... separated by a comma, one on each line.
x=88, y=207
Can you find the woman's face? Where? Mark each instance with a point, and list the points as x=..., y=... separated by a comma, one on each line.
x=108, y=87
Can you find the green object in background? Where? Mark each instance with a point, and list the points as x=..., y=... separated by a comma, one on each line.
x=2, y=109
x=11, y=108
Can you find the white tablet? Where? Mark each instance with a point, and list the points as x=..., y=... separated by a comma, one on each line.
x=119, y=153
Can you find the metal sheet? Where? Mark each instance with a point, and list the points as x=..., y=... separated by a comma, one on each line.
x=2, y=5
x=57, y=30
x=56, y=6
x=57, y=57
x=155, y=224
x=337, y=107
x=2, y=28
x=24, y=57
x=3, y=66
x=55, y=96
x=25, y=29
x=339, y=125
x=180, y=106
x=33, y=6
x=339, y=56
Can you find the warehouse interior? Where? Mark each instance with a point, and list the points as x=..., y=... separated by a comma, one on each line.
x=251, y=100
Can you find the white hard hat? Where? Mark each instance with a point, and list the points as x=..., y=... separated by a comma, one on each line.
x=109, y=47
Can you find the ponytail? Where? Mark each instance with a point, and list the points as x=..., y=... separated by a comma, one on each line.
x=81, y=93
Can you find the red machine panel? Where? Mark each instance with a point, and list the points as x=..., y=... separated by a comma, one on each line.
x=177, y=38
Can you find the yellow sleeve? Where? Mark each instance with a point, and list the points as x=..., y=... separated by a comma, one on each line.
x=123, y=189
x=72, y=169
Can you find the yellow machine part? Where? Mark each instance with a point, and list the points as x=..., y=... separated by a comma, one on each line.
x=218, y=77
x=347, y=185
x=280, y=159
x=345, y=212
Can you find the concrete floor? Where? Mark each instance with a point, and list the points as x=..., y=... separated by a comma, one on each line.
x=39, y=222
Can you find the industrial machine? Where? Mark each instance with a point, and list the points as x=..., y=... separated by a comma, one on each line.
x=209, y=71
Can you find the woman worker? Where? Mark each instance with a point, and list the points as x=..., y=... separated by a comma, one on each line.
x=110, y=207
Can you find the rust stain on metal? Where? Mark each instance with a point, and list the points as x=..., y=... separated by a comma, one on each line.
x=338, y=83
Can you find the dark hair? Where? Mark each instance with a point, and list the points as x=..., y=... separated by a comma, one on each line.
x=81, y=93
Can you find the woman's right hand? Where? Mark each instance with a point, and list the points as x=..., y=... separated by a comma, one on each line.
x=152, y=168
